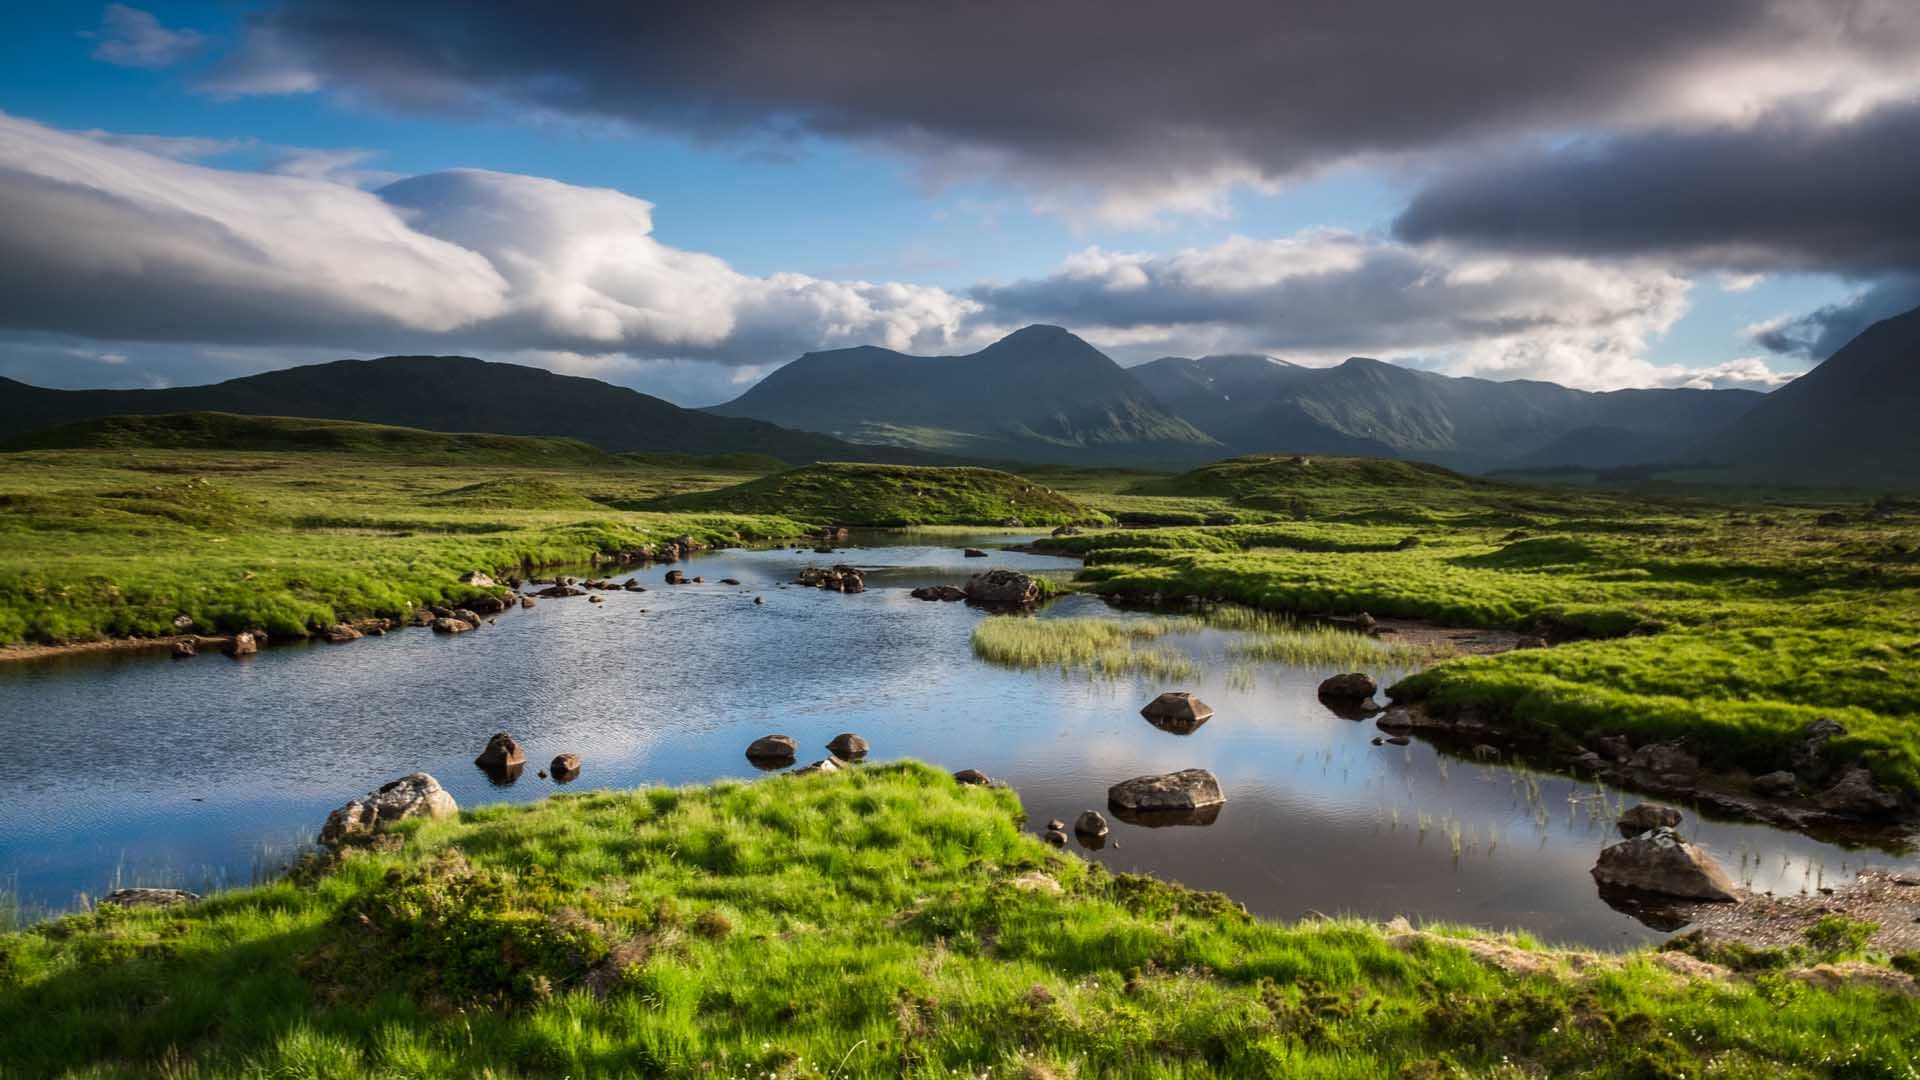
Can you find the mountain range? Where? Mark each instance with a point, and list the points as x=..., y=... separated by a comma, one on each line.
x=1044, y=395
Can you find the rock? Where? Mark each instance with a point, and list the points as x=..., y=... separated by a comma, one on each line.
x=973, y=777
x=1188, y=789
x=244, y=643
x=697, y=581
x=975, y=553
x=476, y=579
x=1177, y=710
x=340, y=632
x=729, y=581
x=421, y=617
x=1646, y=817
x=634, y=586
x=596, y=599
x=848, y=745
x=1486, y=752
x=1668, y=760
x=1067, y=530
x=184, y=649
x=1090, y=823
x=1055, y=837
x=1776, y=785
x=468, y=616
x=845, y=579
x=759, y=599
x=1809, y=756
x=182, y=623
x=565, y=767
x=1662, y=863
x=676, y=577
x=1396, y=719
x=130, y=898
x=1615, y=747
x=1855, y=795
x=773, y=748
x=824, y=765
x=451, y=626
x=487, y=604
x=939, y=592
x=1353, y=686
x=526, y=601
x=1398, y=740
x=1003, y=590
x=1056, y=823
x=416, y=795
x=501, y=752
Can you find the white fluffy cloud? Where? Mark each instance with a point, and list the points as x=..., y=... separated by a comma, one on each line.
x=107, y=241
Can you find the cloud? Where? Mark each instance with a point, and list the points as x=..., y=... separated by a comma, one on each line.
x=107, y=242
x=130, y=37
x=1117, y=110
x=1818, y=334
x=1324, y=294
x=1791, y=191
x=177, y=147
x=1744, y=373
x=333, y=166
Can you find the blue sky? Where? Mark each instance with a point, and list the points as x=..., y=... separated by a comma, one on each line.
x=842, y=210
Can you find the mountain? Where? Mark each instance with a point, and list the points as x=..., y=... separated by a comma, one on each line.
x=1849, y=421
x=446, y=393
x=1038, y=394
x=1255, y=404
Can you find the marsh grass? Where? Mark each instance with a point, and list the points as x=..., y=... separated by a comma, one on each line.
x=879, y=922
x=1103, y=647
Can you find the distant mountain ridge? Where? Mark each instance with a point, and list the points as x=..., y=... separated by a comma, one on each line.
x=1255, y=404
x=1038, y=394
x=447, y=393
x=1851, y=420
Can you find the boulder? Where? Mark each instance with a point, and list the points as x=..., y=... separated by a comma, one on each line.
x=973, y=777
x=975, y=553
x=729, y=581
x=1188, y=789
x=1177, y=709
x=182, y=623
x=526, y=601
x=451, y=626
x=487, y=604
x=565, y=767
x=501, y=752
x=842, y=578
x=1776, y=785
x=772, y=748
x=1090, y=823
x=417, y=795
x=824, y=765
x=1646, y=817
x=1055, y=837
x=848, y=745
x=468, y=616
x=1067, y=530
x=1668, y=760
x=184, y=648
x=1809, y=755
x=243, y=643
x=676, y=577
x=596, y=599
x=340, y=632
x=477, y=579
x=939, y=592
x=1353, y=686
x=560, y=589
x=1003, y=590
x=128, y=898
x=1660, y=862
x=1855, y=795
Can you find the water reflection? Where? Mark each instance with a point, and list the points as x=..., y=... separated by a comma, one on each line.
x=671, y=685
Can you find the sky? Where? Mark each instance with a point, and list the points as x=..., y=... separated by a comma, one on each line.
x=680, y=199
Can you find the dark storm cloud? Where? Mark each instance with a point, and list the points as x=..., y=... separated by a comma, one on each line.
x=1790, y=193
x=1819, y=333
x=1139, y=95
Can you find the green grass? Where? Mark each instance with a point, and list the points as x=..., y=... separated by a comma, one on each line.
x=1107, y=647
x=228, y=432
x=101, y=544
x=1732, y=626
x=892, y=495
x=871, y=923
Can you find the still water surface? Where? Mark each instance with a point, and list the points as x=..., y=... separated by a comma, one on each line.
x=136, y=769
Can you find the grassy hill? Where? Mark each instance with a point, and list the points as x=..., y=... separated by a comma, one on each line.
x=230, y=431
x=850, y=494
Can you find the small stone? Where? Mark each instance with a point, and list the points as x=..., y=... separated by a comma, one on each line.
x=1646, y=817
x=183, y=649
x=1776, y=785
x=243, y=644
x=1398, y=740
x=596, y=599
x=1056, y=823
x=759, y=599
x=976, y=553
x=973, y=777
x=501, y=752
x=1055, y=837
x=565, y=767
x=1090, y=823
x=182, y=623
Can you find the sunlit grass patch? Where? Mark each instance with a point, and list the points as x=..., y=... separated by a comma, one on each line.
x=1108, y=647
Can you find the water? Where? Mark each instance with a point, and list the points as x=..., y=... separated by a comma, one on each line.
x=137, y=769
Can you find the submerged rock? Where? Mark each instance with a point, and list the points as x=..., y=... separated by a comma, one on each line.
x=1177, y=710
x=842, y=578
x=1353, y=686
x=1646, y=817
x=1055, y=837
x=848, y=745
x=244, y=643
x=1003, y=590
x=1660, y=862
x=772, y=749
x=128, y=898
x=561, y=590
x=415, y=795
x=1188, y=789
x=676, y=577
x=184, y=648
x=939, y=592
x=1090, y=823
x=340, y=632
x=501, y=752
x=975, y=553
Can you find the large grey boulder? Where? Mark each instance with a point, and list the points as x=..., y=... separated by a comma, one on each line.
x=1661, y=863
x=415, y=795
x=1188, y=789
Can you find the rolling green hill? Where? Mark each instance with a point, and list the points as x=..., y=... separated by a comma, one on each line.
x=849, y=494
x=228, y=431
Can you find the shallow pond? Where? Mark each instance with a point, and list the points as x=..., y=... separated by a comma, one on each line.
x=133, y=769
